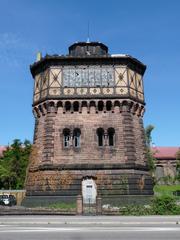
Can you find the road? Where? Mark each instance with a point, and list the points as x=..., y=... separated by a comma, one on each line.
x=89, y=227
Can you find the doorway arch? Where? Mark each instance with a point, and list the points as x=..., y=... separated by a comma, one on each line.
x=89, y=190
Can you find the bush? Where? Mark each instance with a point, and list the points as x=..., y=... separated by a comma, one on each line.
x=136, y=210
x=62, y=205
x=165, y=205
x=167, y=180
x=162, y=205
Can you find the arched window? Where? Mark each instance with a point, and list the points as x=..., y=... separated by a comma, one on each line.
x=116, y=106
x=68, y=106
x=100, y=135
x=76, y=137
x=51, y=107
x=59, y=104
x=66, y=137
x=109, y=106
x=76, y=106
x=111, y=134
x=100, y=106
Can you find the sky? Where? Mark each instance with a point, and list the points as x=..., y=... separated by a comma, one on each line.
x=146, y=30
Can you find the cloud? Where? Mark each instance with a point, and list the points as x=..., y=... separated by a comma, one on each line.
x=8, y=39
x=14, y=50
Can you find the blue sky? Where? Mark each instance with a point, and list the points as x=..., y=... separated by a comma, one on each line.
x=147, y=30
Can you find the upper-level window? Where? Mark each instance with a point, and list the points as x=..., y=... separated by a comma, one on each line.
x=100, y=106
x=76, y=137
x=76, y=106
x=108, y=105
x=66, y=137
x=111, y=134
x=67, y=106
x=100, y=135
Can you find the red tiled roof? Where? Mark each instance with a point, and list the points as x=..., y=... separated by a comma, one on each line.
x=2, y=149
x=165, y=152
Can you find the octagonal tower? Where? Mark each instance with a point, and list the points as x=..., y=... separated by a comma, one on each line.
x=89, y=137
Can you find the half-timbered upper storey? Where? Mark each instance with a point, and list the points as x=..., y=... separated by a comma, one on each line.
x=88, y=71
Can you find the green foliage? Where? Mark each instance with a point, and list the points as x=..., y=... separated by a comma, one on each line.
x=148, y=131
x=166, y=190
x=13, y=165
x=64, y=206
x=167, y=180
x=162, y=205
x=151, y=160
x=149, y=154
x=165, y=205
x=178, y=165
x=136, y=210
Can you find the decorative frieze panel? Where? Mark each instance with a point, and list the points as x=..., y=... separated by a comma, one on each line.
x=132, y=79
x=135, y=85
x=37, y=87
x=94, y=91
x=140, y=96
x=36, y=97
x=55, y=79
x=45, y=79
x=69, y=91
x=139, y=83
x=122, y=90
x=140, y=90
x=44, y=93
x=37, y=84
x=81, y=91
x=108, y=90
x=54, y=91
x=88, y=80
x=121, y=76
x=132, y=92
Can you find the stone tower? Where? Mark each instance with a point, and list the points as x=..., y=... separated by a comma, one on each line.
x=89, y=137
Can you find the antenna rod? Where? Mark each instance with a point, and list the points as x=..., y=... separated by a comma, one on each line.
x=88, y=39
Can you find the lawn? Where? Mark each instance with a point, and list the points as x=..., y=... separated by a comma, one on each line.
x=167, y=190
x=64, y=206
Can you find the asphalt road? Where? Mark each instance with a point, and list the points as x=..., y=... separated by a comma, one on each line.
x=89, y=227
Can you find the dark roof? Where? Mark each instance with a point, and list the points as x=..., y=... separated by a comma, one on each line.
x=87, y=53
x=83, y=44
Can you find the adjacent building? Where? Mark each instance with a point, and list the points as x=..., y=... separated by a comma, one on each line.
x=165, y=161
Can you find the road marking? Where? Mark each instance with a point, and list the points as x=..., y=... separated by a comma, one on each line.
x=90, y=229
x=89, y=223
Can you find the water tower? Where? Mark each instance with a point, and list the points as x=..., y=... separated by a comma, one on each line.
x=89, y=137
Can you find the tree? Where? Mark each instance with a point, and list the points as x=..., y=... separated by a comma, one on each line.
x=148, y=131
x=149, y=154
x=178, y=164
x=13, y=165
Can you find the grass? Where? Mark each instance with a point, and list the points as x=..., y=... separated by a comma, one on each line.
x=63, y=206
x=166, y=190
